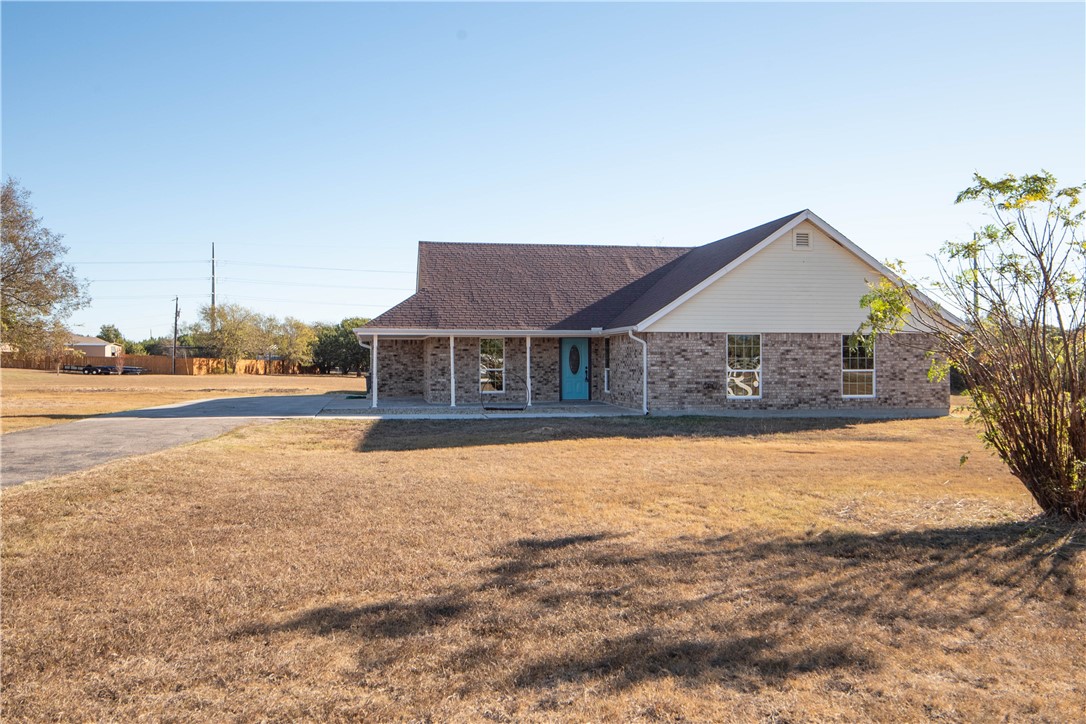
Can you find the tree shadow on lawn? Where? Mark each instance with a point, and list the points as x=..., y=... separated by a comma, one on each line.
x=401, y=435
x=740, y=611
x=45, y=416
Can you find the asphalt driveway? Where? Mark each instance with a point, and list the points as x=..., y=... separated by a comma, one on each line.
x=58, y=449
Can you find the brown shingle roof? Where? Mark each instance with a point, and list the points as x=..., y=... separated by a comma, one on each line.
x=83, y=339
x=526, y=286
x=555, y=286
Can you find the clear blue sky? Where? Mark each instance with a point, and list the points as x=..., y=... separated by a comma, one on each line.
x=338, y=135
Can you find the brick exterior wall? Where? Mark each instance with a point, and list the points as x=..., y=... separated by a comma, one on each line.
x=686, y=372
x=545, y=383
x=626, y=368
x=799, y=372
x=399, y=368
x=435, y=359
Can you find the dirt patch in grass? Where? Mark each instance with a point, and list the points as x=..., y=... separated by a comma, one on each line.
x=512, y=570
x=33, y=398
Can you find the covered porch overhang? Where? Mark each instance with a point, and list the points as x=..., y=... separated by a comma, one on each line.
x=370, y=338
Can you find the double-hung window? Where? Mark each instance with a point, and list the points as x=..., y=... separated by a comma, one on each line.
x=607, y=364
x=492, y=365
x=744, y=352
x=857, y=368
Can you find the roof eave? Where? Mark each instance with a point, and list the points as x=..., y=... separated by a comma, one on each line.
x=438, y=332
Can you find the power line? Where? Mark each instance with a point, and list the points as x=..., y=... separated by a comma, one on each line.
x=251, y=263
x=156, y=261
x=153, y=279
x=305, y=301
x=315, y=268
x=150, y=296
x=357, y=287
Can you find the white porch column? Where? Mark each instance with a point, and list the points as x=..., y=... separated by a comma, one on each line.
x=452, y=371
x=528, y=342
x=373, y=372
x=644, y=371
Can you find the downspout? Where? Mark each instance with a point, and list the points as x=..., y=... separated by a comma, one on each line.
x=644, y=371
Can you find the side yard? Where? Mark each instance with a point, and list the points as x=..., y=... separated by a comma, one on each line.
x=32, y=398
x=545, y=569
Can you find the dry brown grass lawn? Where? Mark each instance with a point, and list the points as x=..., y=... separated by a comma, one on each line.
x=540, y=570
x=32, y=398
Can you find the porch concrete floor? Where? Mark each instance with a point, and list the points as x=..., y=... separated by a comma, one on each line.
x=416, y=407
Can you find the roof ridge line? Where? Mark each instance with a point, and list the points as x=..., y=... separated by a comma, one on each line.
x=553, y=244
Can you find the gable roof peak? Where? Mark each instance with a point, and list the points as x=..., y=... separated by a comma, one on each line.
x=699, y=264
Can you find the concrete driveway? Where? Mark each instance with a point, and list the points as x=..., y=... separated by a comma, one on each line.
x=58, y=449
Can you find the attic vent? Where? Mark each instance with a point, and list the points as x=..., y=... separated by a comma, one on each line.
x=802, y=240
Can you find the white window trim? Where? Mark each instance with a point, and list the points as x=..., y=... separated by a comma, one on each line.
x=873, y=371
x=491, y=369
x=728, y=369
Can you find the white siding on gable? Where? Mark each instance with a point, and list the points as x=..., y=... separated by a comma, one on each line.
x=781, y=289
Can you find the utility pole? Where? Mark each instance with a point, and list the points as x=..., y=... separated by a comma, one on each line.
x=212, y=288
x=176, y=316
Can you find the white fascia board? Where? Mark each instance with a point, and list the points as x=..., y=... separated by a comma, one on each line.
x=779, y=233
x=882, y=269
x=833, y=234
x=420, y=333
x=418, y=269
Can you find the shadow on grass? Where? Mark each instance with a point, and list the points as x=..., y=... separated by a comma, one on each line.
x=58, y=417
x=398, y=435
x=740, y=611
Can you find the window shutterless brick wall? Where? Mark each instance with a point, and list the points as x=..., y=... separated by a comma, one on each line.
x=625, y=388
x=435, y=358
x=399, y=368
x=799, y=372
x=686, y=372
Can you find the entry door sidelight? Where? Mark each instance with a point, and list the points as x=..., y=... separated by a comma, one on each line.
x=575, y=368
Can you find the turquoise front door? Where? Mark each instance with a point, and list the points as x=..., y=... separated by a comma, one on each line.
x=574, y=364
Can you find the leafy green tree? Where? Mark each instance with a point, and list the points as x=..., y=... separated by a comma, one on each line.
x=294, y=341
x=38, y=291
x=157, y=345
x=337, y=346
x=1018, y=286
x=238, y=333
x=264, y=340
x=110, y=333
x=54, y=342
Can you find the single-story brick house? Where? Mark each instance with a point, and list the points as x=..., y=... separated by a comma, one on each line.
x=757, y=321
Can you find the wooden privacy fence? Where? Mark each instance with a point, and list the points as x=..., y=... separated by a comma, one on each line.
x=155, y=364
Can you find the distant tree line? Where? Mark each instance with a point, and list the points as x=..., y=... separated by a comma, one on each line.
x=242, y=333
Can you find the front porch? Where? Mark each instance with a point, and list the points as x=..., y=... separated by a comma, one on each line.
x=549, y=373
x=419, y=408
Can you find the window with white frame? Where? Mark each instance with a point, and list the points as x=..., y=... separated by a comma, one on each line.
x=857, y=367
x=492, y=365
x=744, y=352
x=607, y=364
